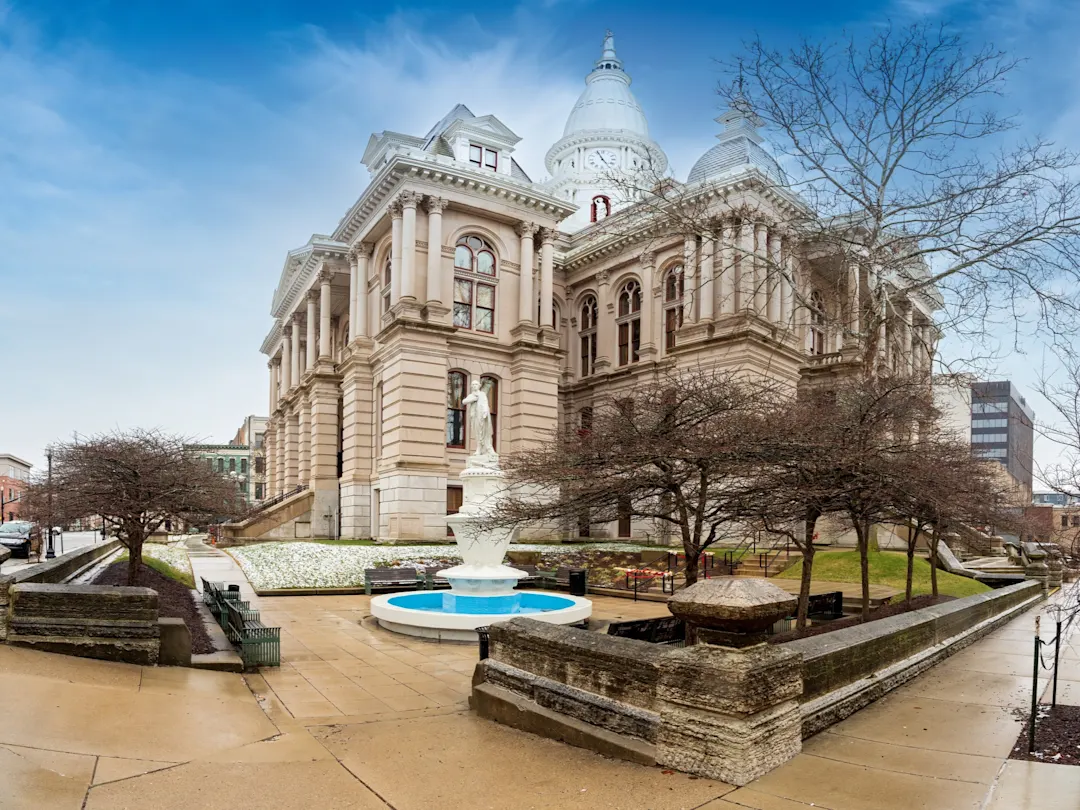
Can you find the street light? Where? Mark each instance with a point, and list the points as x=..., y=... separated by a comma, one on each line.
x=50, y=553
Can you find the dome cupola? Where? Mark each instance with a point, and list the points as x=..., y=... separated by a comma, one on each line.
x=739, y=148
x=606, y=139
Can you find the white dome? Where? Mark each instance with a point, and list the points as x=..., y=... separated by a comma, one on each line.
x=607, y=103
x=739, y=148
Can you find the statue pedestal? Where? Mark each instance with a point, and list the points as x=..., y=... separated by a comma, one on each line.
x=482, y=549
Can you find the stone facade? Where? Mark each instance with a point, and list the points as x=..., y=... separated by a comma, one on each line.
x=454, y=266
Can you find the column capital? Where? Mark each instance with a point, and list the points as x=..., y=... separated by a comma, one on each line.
x=547, y=236
x=602, y=277
x=325, y=275
x=528, y=229
x=408, y=199
x=436, y=205
x=296, y=319
x=311, y=296
x=395, y=208
x=647, y=259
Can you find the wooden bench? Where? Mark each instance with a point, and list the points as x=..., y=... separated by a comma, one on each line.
x=533, y=575
x=665, y=630
x=431, y=581
x=260, y=646
x=390, y=578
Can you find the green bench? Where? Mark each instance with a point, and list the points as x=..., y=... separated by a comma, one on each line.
x=260, y=646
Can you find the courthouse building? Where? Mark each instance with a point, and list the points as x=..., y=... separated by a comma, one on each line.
x=454, y=266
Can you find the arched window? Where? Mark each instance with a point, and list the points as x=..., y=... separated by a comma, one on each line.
x=387, y=277
x=816, y=338
x=490, y=386
x=600, y=209
x=457, y=386
x=587, y=330
x=474, y=299
x=674, y=287
x=628, y=323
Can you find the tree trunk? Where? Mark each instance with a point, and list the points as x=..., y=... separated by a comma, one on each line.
x=807, y=571
x=691, y=565
x=134, y=560
x=913, y=540
x=861, y=534
x=933, y=563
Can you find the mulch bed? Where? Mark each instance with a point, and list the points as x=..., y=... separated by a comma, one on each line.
x=174, y=600
x=882, y=612
x=1057, y=736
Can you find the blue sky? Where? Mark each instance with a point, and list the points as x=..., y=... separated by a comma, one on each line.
x=157, y=159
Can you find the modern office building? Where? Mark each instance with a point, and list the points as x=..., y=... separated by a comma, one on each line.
x=1003, y=429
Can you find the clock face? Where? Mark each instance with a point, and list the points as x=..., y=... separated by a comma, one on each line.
x=601, y=159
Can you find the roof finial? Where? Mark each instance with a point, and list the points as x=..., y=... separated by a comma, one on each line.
x=609, y=46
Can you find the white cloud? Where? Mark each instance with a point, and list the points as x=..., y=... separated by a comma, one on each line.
x=146, y=216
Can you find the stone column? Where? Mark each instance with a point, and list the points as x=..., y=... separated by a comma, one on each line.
x=729, y=705
x=395, y=252
x=324, y=313
x=304, y=439
x=272, y=365
x=286, y=360
x=787, y=285
x=691, y=285
x=409, y=199
x=282, y=440
x=312, y=318
x=547, y=276
x=323, y=403
x=270, y=452
x=648, y=306
x=292, y=449
x=761, y=262
x=359, y=300
x=707, y=283
x=726, y=270
x=353, y=272
x=745, y=254
x=853, y=304
x=527, y=231
x=905, y=338
x=774, y=308
x=605, y=324
x=295, y=359
x=435, y=292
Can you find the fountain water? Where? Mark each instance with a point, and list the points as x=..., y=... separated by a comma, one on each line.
x=482, y=589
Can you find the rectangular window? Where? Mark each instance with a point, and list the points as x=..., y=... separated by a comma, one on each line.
x=635, y=340
x=386, y=301
x=989, y=438
x=462, y=303
x=991, y=452
x=491, y=159
x=258, y=492
x=455, y=497
x=260, y=465
x=588, y=354
x=673, y=319
x=243, y=466
x=624, y=344
x=221, y=465
x=485, y=308
x=1064, y=521
x=990, y=423
x=989, y=407
x=476, y=155
x=1076, y=520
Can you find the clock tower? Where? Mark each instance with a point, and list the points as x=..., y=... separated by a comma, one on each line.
x=605, y=152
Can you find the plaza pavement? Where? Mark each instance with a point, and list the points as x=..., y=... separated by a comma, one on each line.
x=359, y=718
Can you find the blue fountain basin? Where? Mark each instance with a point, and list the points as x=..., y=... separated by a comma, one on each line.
x=514, y=604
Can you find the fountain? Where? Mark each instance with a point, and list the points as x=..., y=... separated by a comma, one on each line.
x=482, y=589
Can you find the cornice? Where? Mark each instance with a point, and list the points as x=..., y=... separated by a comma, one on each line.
x=445, y=171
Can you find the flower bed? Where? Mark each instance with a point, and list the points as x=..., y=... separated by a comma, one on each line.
x=274, y=566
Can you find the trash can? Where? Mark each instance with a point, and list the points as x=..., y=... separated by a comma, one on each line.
x=482, y=635
x=578, y=581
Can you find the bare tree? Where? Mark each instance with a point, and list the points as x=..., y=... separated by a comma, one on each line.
x=136, y=480
x=671, y=451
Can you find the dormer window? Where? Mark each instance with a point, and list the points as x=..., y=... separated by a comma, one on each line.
x=483, y=157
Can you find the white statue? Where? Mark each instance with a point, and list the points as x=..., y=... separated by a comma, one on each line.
x=480, y=420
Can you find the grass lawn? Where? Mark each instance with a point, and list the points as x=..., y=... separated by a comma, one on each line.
x=183, y=577
x=886, y=568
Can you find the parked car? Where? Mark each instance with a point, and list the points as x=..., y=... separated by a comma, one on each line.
x=20, y=536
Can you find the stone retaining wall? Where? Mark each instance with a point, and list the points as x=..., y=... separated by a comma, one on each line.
x=92, y=621
x=847, y=669
x=722, y=713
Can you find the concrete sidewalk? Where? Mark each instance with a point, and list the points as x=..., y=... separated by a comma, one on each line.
x=361, y=718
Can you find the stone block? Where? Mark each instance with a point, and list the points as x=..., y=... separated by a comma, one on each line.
x=175, y=643
x=730, y=681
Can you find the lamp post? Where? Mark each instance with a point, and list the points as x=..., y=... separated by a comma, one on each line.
x=50, y=553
